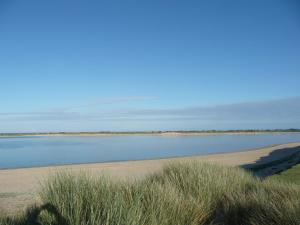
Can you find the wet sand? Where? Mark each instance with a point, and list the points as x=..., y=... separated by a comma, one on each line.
x=19, y=187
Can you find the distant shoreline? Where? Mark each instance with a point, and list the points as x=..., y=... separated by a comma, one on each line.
x=155, y=133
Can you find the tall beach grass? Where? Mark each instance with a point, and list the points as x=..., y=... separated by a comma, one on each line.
x=181, y=194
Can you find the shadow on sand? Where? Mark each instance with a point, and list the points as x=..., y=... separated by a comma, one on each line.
x=33, y=213
x=276, y=162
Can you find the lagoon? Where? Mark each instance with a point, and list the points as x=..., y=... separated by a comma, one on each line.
x=35, y=151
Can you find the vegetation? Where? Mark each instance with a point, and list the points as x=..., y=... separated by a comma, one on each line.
x=291, y=175
x=181, y=194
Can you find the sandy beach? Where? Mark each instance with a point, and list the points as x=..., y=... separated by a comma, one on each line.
x=19, y=187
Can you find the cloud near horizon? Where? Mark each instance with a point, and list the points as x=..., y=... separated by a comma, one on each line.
x=280, y=112
x=104, y=101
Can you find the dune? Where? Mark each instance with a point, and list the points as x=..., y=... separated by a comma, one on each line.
x=19, y=187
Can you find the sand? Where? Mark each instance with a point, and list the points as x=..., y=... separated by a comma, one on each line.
x=19, y=187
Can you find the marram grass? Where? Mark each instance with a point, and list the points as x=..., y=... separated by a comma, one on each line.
x=181, y=194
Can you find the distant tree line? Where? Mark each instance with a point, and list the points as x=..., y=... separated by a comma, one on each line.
x=155, y=132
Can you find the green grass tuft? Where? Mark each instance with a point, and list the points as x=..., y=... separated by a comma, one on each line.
x=181, y=194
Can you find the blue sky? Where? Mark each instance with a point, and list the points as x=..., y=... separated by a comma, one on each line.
x=149, y=65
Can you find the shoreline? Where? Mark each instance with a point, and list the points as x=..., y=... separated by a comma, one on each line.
x=57, y=166
x=19, y=186
x=167, y=133
x=172, y=158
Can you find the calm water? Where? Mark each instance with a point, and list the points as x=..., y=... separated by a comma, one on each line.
x=42, y=151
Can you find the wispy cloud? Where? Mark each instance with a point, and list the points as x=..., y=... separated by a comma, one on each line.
x=72, y=109
x=263, y=111
x=103, y=101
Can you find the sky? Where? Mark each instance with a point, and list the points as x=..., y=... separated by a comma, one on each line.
x=78, y=65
